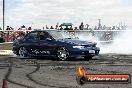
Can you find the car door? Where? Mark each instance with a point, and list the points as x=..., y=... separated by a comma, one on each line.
x=45, y=45
x=32, y=43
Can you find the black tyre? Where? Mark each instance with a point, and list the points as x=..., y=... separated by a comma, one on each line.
x=22, y=52
x=88, y=57
x=62, y=53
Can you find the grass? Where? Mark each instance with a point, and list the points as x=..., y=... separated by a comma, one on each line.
x=6, y=46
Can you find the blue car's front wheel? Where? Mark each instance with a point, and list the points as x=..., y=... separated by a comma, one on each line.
x=62, y=53
x=88, y=57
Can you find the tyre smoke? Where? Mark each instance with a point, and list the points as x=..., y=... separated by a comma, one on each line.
x=120, y=44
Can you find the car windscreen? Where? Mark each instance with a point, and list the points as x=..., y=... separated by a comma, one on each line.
x=60, y=34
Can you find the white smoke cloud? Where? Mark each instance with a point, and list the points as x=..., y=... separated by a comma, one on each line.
x=122, y=43
x=86, y=36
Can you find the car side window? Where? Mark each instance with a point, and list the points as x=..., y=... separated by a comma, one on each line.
x=42, y=36
x=32, y=36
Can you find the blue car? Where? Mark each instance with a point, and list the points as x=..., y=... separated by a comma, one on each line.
x=53, y=43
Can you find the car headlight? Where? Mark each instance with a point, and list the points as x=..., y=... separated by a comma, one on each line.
x=79, y=47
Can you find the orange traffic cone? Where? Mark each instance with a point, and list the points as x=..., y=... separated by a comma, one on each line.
x=4, y=84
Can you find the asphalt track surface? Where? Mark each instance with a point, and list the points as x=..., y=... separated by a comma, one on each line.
x=48, y=73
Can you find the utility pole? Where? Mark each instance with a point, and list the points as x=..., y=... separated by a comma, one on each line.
x=99, y=24
x=3, y=14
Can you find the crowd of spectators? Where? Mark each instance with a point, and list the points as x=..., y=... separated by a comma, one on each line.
x=82, y=26
x=103, y=33
x=9, y=34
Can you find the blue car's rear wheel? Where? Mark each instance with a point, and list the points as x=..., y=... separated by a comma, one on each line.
x=22, y=53
x=62, y=53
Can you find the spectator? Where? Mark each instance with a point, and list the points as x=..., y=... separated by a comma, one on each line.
x=29, y=28
x=71, y=28
x=23, y=26
x=21, y=35
x=95, y=28
x=19, y=29
x=61, y=28
x=87, y=26
x=11, y=28
x=51, y=27
x=66, y=28
x=75, y=28
x=113, y=28
x=104, y=27
x=81, y=27
x=8, y=28
x=56, y=27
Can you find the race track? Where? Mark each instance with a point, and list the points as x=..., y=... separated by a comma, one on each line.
x=47, y=73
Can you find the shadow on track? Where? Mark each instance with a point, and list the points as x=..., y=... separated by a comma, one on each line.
x=55, y=59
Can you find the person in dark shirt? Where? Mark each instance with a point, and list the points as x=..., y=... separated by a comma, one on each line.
x=75, y=28
x=51, y=27
x=61, y=28
x=71, y=28
x=81, y=27
x=66, y=28
x=8, y=28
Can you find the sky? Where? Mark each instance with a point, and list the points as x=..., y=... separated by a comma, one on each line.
x=38, y=13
